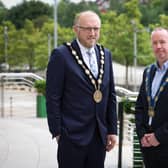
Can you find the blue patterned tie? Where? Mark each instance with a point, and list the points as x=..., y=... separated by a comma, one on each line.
x=92, y=64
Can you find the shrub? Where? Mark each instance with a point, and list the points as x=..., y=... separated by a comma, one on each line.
x=40, y=86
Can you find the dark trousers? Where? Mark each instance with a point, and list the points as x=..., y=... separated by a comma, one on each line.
x=73, y=156
x=155, y=158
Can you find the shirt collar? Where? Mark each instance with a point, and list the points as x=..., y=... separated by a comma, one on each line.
x=164, y=67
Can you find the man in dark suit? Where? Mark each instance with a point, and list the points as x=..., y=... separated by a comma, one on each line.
x=152, y=105
x=81, y=100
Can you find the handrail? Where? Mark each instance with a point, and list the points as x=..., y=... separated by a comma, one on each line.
x=22, y=74
x=25, y=78
x=122, y=92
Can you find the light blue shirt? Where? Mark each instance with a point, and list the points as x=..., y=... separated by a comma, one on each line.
x=85, y=56
x=160, y=72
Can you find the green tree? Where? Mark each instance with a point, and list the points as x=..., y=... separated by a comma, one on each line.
x=6, y=42
x=3, y=12
x=163, y=20
x=67, y=11
x=23, y=46
x=32, y=10
x=46, y=45
x=118, y=32
x=152, y=10
x=31, y=39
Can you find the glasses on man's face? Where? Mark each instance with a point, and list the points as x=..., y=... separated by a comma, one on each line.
x=89, y=29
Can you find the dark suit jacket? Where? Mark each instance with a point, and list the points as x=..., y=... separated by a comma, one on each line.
x=69, y=98
x=160, y=120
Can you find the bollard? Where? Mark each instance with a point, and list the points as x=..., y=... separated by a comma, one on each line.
x=2, y=97
x=120, y=116
x=11, y=106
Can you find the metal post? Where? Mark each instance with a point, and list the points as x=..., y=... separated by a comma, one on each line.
x=6, y=43
x=135, y=57
x=11, y=106
x=135, y=30
x=55, y=23
x=120, y=113
x=49, y=45
x=2, y=97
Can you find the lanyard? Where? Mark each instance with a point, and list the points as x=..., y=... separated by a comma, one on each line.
x=152, y=101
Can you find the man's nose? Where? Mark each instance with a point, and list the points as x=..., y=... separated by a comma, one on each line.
x=92, y=31
x=158, y=45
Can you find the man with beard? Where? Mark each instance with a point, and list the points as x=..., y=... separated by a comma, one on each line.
x=81, y=99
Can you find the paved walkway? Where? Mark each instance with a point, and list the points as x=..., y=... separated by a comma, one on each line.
x=27, y=143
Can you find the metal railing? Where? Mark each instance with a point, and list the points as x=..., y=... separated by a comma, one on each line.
x=15, y=79
x=126, y=129
x=25, y=78
x=122, y=94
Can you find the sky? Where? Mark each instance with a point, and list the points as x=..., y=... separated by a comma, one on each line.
x=10, y=3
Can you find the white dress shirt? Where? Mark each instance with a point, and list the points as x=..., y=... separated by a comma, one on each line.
x=85, y=56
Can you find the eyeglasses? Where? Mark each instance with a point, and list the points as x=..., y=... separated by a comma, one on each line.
x=89, y=29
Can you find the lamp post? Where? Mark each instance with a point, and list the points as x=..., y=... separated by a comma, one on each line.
x=2, y=96
x=55, y=23
x=6, y=67
x=135, y=51
x=6, y=44
x=49, y=45
x=135, y=57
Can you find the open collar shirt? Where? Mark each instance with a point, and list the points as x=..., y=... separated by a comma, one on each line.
x=160, y=72
x=85, y=56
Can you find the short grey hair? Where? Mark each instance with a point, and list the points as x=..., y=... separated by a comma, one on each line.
x=159, y=29
x=78, y=15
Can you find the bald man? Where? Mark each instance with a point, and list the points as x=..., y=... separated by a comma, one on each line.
x=152, y=105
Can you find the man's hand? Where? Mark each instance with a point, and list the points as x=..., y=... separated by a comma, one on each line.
x=111, y=141
x=57, y=138
x=149, y=140
x=145, y=142
x=152, y=139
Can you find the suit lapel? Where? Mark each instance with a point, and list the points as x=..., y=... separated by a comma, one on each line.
x=77, y=49
x=151, y=76
x=162, y=84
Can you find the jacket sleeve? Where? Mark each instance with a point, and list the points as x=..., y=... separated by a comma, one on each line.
x=54, y=91
x=162, y=134
x=140, y=108
x=111, y=110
